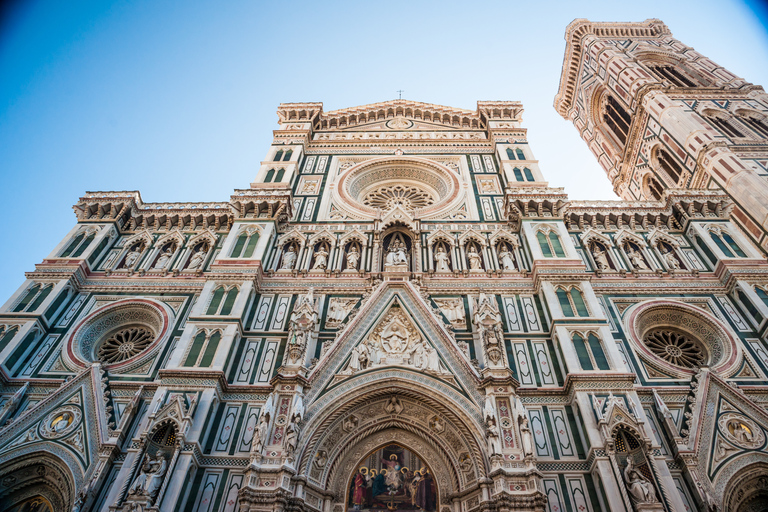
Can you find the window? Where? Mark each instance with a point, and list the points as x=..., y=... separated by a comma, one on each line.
x=528, y=174
x=550, y=244
x=280, y=174
x=669, y=165
x=203, y=349
x=520, y=154
x=78, y=245
x=727, y=244
x=7, y=334
x=215, y=307
x=751, y=309
x=571, y=302
x=653, y=187
x=672, y=75
x=755, y=122
x=269, y=176
x=278, y=156
x=288, y=155
x=518, y=174
x=511, y=155
x=617, y=119
x=762, y=294
x=245, y=244
x=724, y=124
x=33, y=298
x=590, y=352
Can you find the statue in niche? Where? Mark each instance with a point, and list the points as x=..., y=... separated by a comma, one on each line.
x=165, y=257
x=151, y=475
x=353, y=258
x=132, y=257
x=442, y=260
x=397, y=253
x=492, y=436
x=453, y=309
x=431, y=359
x=475, y=261
x=669, y=257
x=197, y=258
x=527, y=438
x=260, y=435
x=289, y=258
x=506, y=260
x=338, y=309
x=321, y=258
x=291, y=440
x=601, y=258
x=635, y=258
x=638, y=485
x=300, y=326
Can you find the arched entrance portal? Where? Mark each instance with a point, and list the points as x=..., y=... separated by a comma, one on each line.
x=748, y=490
x=38, y=482
x=395, y=478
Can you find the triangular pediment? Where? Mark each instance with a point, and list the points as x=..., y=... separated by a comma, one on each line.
x=71, y=423
x=395, y=329
x=731, y=430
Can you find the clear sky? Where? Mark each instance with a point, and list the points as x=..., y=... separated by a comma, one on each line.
x=177, y=99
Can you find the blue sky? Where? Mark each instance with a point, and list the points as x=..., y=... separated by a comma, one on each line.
x=177, y=99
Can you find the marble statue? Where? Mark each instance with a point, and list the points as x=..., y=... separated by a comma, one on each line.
x=321, y=258
x=197, y=259
x=353, y=258
x=132, y=257
x=164, y=258
x=505, y=258
x=671, y=260
x=289, y=258
x=442, y=260
x=150, y=477
x=601, y=259
x=638, y=485
x=475, y=261
x=636, y=259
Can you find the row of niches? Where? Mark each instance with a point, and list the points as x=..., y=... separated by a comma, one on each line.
x=122, y=335
x=401, y=251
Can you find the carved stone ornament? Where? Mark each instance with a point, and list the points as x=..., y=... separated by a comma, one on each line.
x=60, y=422
x=741, y=431
x=338, y=309
x=453, y=309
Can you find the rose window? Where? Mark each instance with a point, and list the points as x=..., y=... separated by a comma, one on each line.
x=124, y=344
x=408, y=197
x=675, y=347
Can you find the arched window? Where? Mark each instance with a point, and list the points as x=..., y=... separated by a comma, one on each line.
x=510, y=154
x=653, y=187
x=762, y=294
x=550, y=244
x=518, y=174
x=33, y=298
x=78, y=245
x=520, y=154
x=215, y=307
x=617, y=119
x=571, y=302
x=751, y=309
x=528, y=174
x=245, y=244
x=590, y=352
x=6, y=335
x=672, y=75
x=727, y=244
x=669, y=165
x=280, y=174
x=724, y=124
x=756, y=123
x=278, y=156
x=203, y=349
x=270, y=175
x=288, y=155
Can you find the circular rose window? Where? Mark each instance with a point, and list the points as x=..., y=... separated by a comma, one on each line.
x=422, y=187
x=676, y=347
x=678, y=338
x=123, y=334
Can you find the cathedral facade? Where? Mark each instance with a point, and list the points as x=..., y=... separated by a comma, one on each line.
x=400, y=314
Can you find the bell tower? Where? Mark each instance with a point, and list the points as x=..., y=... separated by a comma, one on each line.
x=658, y=115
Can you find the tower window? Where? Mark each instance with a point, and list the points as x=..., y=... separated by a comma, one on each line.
x=590, y=352
x=518, y=174
x=550, y=244
x=528, y=174
x=288, y=155
x=510, y=154
x=572, y=302
x=617, y=119
x=669, y=165
x=520, y=154
x=278, y=156
x=757, y=124
x=672, y=75
x=654, y=189
x=724, y=125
